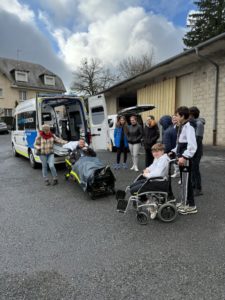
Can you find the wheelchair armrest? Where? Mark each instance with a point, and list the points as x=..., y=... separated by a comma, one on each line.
x=158, y=178
x=139, y=177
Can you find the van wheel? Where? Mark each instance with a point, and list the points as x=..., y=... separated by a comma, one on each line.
x=15, y=154
x=32, y=160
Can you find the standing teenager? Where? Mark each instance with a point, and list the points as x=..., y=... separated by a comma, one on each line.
x=151, y=135
x=121, y=143
x=134, y=137
x=185, y=150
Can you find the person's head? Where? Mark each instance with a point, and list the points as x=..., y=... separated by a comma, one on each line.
x=165, y=121
x=150, y=121
x=174, y=119
x=133, y=120
x=121, y=121
x=194, y=112
x=158, y=150
x=46, y=128
x=182, y=114
x=81, y=143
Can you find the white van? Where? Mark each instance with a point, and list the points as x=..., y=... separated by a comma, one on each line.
x=67, y=118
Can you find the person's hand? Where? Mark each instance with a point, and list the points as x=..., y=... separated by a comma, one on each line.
x=181, y=161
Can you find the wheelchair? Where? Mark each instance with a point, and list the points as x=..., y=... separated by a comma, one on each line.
x=155, y=193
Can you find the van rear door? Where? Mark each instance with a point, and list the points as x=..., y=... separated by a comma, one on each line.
x=99, y=122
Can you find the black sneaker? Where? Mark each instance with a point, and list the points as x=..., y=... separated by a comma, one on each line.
x=55, y=181
x=47, y=182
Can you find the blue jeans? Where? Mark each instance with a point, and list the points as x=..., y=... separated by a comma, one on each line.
x=48, y=160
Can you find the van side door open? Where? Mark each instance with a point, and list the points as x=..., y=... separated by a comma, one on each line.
x=99, y=122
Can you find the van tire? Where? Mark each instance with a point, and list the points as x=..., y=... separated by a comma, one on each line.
x=15, y=154
x=32, y=160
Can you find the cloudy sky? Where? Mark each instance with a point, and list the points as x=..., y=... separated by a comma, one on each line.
x=59, y=33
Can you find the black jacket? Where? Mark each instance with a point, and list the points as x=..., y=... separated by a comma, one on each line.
x=134, y=134
x=151, y=135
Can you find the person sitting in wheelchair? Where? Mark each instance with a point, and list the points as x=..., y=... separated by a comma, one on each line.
x=159, y=168
x=158, y=171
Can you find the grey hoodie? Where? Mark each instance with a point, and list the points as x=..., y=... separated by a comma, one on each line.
x=200, y=122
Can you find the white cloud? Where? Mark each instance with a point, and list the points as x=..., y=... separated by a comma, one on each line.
x=129, y=32
x=108, y=30
x=35, y=47
x=190, y=20
x=22, y=11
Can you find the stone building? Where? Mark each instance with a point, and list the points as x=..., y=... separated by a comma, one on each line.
x=194, y=77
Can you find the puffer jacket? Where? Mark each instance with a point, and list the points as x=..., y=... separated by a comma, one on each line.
x=170, y=138
x=117, y=137
x=134, y=134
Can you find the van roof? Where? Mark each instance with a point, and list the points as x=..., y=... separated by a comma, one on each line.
x=27, y=105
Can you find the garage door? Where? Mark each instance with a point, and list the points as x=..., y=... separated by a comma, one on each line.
x=184, y=91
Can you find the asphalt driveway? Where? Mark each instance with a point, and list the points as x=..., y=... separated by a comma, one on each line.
x=56, y=243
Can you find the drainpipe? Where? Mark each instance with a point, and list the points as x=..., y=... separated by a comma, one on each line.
x=215, y=104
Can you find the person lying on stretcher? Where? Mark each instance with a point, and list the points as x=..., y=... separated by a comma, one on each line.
x=159, y=168
x=82, y=149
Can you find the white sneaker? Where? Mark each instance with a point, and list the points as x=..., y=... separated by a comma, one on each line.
x=182, y=207
x=153, y=212
x=179, y=182
x=136, y=169
x=132, y=168
x=188, y=210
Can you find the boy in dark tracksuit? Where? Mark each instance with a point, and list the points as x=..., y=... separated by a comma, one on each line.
x=199, y=132
x=185, y=150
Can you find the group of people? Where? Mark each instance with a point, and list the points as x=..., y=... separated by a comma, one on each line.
x=130, y=137
x=182, y=136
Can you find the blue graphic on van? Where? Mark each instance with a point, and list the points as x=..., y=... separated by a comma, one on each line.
x=30, y=137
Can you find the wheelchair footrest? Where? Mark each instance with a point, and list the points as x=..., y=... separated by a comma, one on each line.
x=121, y=205
x=120, y=195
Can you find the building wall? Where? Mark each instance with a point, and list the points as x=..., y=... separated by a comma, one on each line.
x=184, y=90
x=221, y=106
x=11, y=94
x=161, y=94
x=111, y=103
x=198, y=88
x=194, y=83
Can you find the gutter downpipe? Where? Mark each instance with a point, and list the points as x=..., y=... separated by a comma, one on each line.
x=215, y=105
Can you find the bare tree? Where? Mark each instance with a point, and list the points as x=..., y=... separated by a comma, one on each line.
x=132, y=66
x=91, y=77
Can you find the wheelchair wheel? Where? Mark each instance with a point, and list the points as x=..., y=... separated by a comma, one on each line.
x=167, y=212
x=142, y=217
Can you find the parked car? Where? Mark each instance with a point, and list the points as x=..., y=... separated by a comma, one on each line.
x=127, y=112
x=3, y=128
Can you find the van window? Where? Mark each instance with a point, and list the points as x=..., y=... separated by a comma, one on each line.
x=20, y=121
x=97, y=115
x=30, y=120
